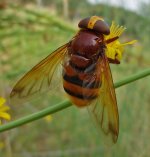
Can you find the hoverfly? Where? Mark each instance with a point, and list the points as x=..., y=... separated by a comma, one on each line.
x=86, y=74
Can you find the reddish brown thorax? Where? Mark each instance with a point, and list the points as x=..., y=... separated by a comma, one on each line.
x=89, y=42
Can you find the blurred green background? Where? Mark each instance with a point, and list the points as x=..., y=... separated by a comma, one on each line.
x=29, y=31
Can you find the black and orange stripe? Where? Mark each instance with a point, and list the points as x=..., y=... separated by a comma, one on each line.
x=80, y=92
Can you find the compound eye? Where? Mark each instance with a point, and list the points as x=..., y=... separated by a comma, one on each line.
x=95, y=23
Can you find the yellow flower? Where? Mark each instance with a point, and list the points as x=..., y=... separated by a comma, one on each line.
x=3, y=109
x=48, y=118
x=114, y=49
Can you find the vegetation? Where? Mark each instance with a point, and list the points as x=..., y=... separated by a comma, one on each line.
x=27, y=36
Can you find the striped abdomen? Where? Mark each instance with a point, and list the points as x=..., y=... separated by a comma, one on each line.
x=80, y=80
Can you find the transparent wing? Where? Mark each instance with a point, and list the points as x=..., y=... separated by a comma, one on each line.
x=39, y=78
x=104, y=109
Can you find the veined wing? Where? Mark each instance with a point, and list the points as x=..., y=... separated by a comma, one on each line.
x=104, y=110
x=39, y=78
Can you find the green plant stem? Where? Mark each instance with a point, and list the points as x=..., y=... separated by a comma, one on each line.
x=65, y=104
x=35, y=116
x=132, y=78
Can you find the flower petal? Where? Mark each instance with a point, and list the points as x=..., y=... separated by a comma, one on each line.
x=129, y=43
x=115, y=31
x=4, y=108
x=2, y=101
x=115, y=49
x=5, y=115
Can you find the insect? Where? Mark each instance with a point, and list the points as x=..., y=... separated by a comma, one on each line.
x=86, y=74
